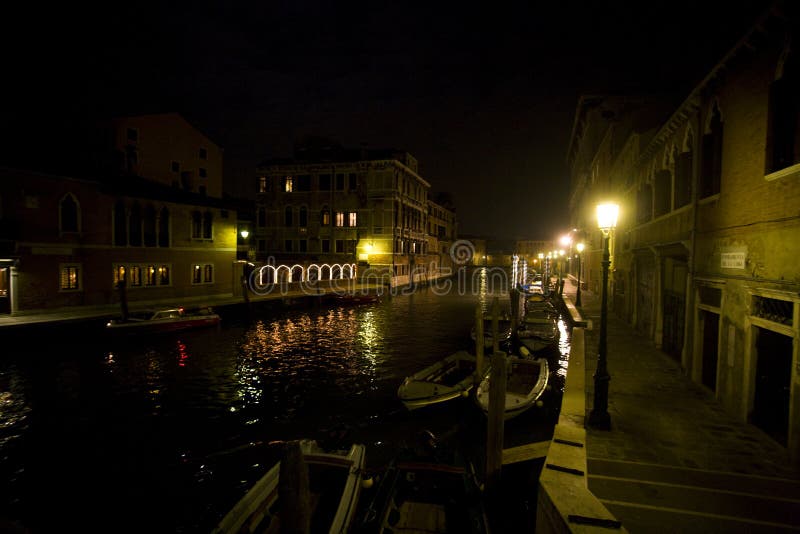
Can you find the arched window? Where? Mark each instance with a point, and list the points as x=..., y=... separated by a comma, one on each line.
x=683, y=172
x=208, y=220
x=163, y=228
x=303, y=222
x=135, y=226
x=120, y=225
x=287, y=216
x=712, y=154
x=325, y=216
x=69, y=214
x=783, y=134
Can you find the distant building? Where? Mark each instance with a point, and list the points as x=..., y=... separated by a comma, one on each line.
x=69, y=240
x=344, y=213
x=442, y=233
x=704, y=258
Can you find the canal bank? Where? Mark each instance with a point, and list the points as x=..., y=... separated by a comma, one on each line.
x=674, y=459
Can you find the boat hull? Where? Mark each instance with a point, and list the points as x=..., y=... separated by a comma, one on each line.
x=445, y=380
x=526, y=383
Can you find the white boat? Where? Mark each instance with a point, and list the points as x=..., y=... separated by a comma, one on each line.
x=447, y=379
x=334, y=484
x=525, y=383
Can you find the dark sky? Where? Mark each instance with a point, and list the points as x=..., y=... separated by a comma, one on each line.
x=483, y=95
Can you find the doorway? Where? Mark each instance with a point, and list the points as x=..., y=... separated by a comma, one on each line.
x=709, y=326
x=5, y=290
x=773, y=374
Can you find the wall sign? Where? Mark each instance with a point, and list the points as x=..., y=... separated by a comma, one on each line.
x=732, y=260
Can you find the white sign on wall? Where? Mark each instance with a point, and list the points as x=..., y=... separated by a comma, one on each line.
x=732, y=260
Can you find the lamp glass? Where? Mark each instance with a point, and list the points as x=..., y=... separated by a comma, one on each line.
x=244, y=234
x=607, y=216
x=580, y=247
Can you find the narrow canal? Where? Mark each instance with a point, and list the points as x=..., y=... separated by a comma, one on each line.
x=164, y=433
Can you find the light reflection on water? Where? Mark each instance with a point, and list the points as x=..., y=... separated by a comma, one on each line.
x=163, y=424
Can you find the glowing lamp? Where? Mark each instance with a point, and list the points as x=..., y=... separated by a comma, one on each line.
x=607, y=216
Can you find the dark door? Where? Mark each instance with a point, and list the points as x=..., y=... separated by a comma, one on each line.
x=672, y=338
x=773, y=371
x=710, y=326
x=5, y=290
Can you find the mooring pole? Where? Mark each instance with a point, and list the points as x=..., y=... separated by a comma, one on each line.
x=479, y=340
x=495, y=326
x=495, y=427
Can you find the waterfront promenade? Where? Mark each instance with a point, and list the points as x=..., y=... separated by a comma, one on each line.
x=674, y=459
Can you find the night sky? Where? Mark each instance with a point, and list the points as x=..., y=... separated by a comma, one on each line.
x=483, y=95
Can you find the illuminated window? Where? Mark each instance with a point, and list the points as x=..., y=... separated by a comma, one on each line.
x=326, y=216
x=208, y=273
x=339, y=218
x=352, y=219
x=70, y=277
x=287, y=184
x=150, y=275
x=119, y=274
x=136, y=276
x=197, y=274
x=163, y=275
x=262, y=184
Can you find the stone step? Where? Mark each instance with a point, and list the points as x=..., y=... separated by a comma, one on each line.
x=719, y=480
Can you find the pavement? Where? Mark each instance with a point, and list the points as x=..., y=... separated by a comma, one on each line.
x=674, y=459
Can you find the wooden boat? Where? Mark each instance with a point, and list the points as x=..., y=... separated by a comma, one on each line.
x=449, y=378
x=165, y=320
x=539, y=332
x=503, y=329
x=353, y=299
x=334, y=480
x=422, y=494
x=526, y=382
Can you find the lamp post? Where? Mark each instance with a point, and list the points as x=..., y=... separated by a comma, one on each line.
x=579, y=246
x=599, y=416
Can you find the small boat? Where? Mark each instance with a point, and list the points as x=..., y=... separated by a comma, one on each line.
x=449, y=378
x=334, y=482
x=165, y=320
x=426, y=494
x=527, y=379
x=539, y=332
x=353, y=299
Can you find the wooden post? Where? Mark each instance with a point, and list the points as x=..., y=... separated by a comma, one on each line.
x=479, y=365
x=515, y=313
x=293, y=491
x=495, y=428
x=495, y=326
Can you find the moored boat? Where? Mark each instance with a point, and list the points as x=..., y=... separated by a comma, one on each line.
x=526, y=381
x=334, y=486
x=447, y=379
x=165, y=320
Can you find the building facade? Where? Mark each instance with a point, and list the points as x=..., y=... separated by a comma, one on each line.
x=69, y=241
x=333, y=207
x=704, y=256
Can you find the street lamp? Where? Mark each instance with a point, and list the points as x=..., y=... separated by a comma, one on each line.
x=579, y=246
x=599, y=417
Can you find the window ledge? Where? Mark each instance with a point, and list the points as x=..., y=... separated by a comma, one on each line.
x=791, y=171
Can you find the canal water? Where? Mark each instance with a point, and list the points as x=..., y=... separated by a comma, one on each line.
x=164, y=433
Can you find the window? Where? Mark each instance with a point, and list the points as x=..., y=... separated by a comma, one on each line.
x=175, y=166
x=197, y=225
x=202, y=273
x=202, y=172
x=287, y=245
x=644, y=203
x=304, y=182
x=340, y=182
x=339, y=218
x=663, y=190
x=352, y=219
x=303, y=217
x=133, y=135
x=261, y=245
x=683, y=177
x=352, y=181
x=287, y=184
x=203, y=153
x=163, y=275
x=325, y=218
x=149, y=226
x=324, y=182
x=350, y=246
x=135, y=226
x=69, y=214
x=150, y=275
x=263, y=184
x=303, y=245
x=262, y=217
x=712, y=155
x=120, y=274
x=783, y=137
x=208, y=220
x=135, y=274
x=339, y=246
x=163, y=228
x=287, y=216
x=326, y=245
x=69, y=279
x=131, y=157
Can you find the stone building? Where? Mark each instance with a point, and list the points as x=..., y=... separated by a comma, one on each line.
x=347, y=213
x=704, y=259
x=68, y=240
